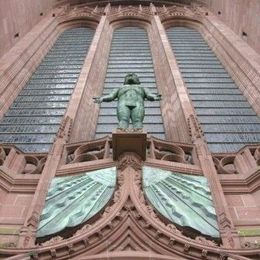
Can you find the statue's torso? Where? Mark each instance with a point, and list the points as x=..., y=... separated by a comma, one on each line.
x=131, y=95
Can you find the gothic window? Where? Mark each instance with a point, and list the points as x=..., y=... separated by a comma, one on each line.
x=130, y=53
x=227, y=118
x=33, y=119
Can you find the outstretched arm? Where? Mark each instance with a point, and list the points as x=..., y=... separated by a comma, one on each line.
x=106, y=98
x=151, y=96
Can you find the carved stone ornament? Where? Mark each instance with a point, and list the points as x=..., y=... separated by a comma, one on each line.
x=194, y=128
x=21, y=163
x=65, y=128
x=82, y=12
x=129, y=160
x=87, y=151
x=173, y=152
x=33, y=220
x=130, y=11
x=177, y=11
x=52, y=241
x=244, y=161
x=127, y=224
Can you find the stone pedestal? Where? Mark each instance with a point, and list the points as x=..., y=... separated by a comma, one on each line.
x=134, y=142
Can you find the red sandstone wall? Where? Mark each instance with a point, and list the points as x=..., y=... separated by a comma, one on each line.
x=19, y=17
x=241, y=16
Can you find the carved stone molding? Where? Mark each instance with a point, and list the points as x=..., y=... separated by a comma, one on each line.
x=172, y=152
x=17, y=162
x=178, y=11
x=129, y=159
x=245, y=161
x=81, y=12
x=137, y=12
x=128, y=223
x=87, y=151
x=157, y=149
x=65, y=128
x=195, y=128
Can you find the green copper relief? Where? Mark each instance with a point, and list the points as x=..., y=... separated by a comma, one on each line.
x=130, y=102
x=75, y=199
x=183, y=199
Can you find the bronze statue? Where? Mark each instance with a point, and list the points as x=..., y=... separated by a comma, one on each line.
x=130, y=102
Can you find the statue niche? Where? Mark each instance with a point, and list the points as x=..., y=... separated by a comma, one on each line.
x=130, y=102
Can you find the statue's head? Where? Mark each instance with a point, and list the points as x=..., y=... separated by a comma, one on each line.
x=131, y=79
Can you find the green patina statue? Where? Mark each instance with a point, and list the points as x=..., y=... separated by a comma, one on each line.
x=130, y=102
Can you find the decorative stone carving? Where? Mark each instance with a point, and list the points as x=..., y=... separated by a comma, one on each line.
x=65, y=128
x=88, y=151
x=129, y=159
x=3, y=153
x=136, y=207
x=204, y=253
x=172, y=152
x=228, y=232
x=52, y=241
x=256, y=153
x=33, y=220
x=83, y=229
x=251, y=245
x=224, y=221
x=81, y=12
x=243, y=162
x=177, y=11
x=130, y=11
x=19, y=162
x=174, y=229
x=128, y=223
x=194, y=128
x=225, y=165
x=205, y=241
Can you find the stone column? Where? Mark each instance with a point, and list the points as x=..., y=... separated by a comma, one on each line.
x=227, y=230
x=82, y=108
x=27, y=234
x=175, y=104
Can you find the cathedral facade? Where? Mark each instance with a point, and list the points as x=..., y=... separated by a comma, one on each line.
x=75, y=185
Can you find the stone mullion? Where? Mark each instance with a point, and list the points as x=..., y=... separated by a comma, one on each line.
x=181, y=90
x=28, y=232
x=227, y=230
x=85, y=115
x=175, y=105
x=81, y=109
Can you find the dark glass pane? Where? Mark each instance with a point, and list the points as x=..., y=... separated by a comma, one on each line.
x=227, y=119
x=33, y=120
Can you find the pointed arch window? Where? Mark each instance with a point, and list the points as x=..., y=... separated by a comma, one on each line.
x=33, y=119
x=130, y=53
x=227, y=118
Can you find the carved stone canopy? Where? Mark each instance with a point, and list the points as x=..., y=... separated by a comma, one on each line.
x=132, y=2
